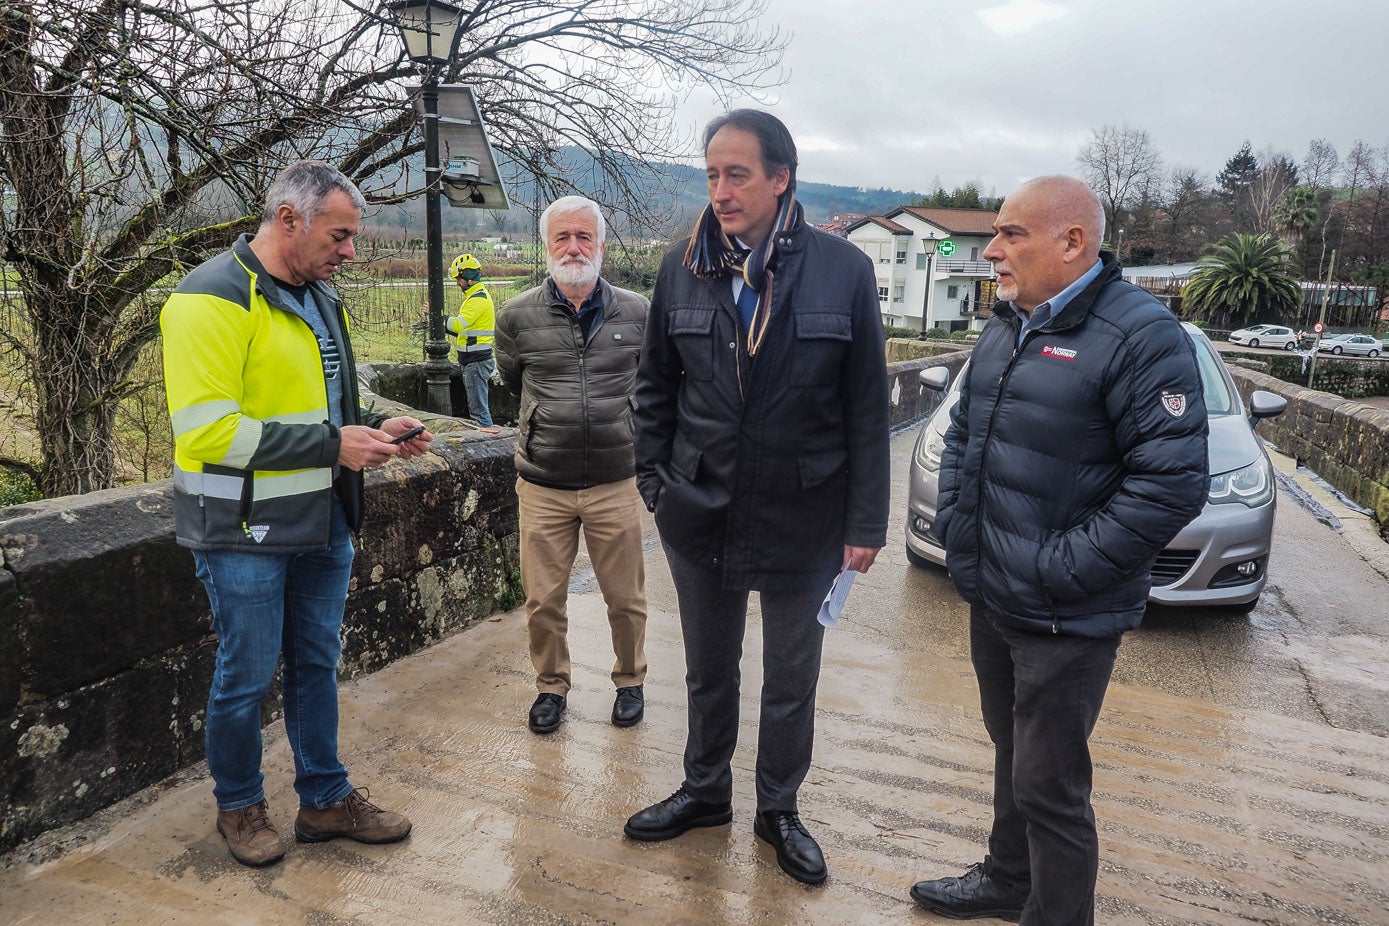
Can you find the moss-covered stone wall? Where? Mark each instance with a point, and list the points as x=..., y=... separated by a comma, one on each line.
x=1344, y=441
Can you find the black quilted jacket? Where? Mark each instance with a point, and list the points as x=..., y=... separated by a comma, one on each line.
x=1072, y=460
x=575, y=427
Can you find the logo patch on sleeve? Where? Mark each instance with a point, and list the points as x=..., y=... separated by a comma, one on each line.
x=1174, y=403
x=1060, y=353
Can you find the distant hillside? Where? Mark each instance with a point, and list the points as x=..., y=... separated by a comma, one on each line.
x=677, y=190
x=819, y=200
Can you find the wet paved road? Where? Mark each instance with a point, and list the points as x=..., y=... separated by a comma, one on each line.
x=1242, y=776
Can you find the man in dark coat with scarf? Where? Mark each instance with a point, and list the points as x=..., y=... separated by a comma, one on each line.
x=762, y=448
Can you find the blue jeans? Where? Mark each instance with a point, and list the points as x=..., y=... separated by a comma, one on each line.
x=476, y=376
x=264, y=604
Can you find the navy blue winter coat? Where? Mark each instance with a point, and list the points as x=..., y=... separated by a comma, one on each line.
x=1071, y=461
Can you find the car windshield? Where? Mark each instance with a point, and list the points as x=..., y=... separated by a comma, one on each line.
x=1219, y=400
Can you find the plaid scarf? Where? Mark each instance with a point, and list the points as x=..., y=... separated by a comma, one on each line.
x=712, y=255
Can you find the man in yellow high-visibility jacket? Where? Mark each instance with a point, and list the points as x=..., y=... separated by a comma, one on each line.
x=270, y=441
x=474, y=327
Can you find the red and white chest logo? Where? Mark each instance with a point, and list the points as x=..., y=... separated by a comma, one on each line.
x=1174, y=403
x=1060, y=353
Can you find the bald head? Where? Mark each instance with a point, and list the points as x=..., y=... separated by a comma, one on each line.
x=1065, y=201
x=1049, y=234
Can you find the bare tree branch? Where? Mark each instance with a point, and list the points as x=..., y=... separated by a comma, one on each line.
x=139, y=136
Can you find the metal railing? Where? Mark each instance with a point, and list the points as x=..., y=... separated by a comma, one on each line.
x=977, y=267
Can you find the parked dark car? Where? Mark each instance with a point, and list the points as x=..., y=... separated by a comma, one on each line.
x=1221, y=557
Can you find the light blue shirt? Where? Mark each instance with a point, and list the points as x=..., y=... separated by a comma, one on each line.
x=1053, y=306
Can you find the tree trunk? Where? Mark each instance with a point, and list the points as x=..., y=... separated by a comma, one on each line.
x=75, y=411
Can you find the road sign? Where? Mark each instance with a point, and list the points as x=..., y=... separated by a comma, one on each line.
x=1318, y=327
x=946, y=248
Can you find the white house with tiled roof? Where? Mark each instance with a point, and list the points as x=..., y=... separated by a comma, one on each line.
x=961, y=280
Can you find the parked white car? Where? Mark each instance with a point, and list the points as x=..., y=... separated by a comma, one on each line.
x=1265, y=336
x=1362, y=344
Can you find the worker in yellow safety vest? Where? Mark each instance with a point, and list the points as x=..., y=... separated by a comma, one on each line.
x=474, y=326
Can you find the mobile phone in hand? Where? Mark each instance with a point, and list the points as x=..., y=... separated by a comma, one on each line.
x=408, y=435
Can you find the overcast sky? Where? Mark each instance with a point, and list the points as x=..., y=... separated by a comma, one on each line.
x=897, y=94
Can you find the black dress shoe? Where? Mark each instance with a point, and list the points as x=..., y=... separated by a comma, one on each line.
x=971, y=896
x=629, y=707
x=547, y=713
x=797, y=852
x=675, y=815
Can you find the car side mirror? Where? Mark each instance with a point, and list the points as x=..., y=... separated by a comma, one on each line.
x=934, y=378
x=1264, y=404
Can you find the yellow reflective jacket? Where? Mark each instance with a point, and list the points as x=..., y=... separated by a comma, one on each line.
x=254, y=450
x=475, y=324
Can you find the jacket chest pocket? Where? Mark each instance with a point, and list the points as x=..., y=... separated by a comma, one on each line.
x=692, y=331
x=822, y=340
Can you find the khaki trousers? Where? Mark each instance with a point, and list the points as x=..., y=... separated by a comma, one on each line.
x=610, y=516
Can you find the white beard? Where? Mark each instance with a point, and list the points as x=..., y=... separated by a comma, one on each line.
x=573, y=271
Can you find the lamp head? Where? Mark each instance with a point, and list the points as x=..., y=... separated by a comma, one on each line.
x=430, y=29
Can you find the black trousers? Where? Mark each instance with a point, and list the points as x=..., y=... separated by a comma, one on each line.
x=713, y=620
x=1041, y=695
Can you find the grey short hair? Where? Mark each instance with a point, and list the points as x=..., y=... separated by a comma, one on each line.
x=303, y=186
x=567, y=204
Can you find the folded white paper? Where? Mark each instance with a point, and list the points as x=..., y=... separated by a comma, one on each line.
x=834, y=601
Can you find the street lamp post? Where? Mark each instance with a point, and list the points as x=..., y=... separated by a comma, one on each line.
x=430, y=30
x=928, y=247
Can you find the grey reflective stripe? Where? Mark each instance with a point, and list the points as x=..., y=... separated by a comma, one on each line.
x=279, y=485
x=474, y=348
x=244, y=443
x=212, y=485
x=204, y=413
x=283, y=485
x=314, y=416
x=481, y=332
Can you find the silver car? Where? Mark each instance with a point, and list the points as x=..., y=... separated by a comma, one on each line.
x=1362, y=344
x=1221, y=557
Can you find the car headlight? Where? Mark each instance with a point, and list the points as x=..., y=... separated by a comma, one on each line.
x=1251, y=485
x=929, y=449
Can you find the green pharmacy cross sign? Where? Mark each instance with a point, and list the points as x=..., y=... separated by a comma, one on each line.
x=946, y=248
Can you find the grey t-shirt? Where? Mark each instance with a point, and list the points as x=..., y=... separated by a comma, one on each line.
x=303, y=304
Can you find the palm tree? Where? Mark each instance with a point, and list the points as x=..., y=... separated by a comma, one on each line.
x=1242, y=276
x=1296, y=212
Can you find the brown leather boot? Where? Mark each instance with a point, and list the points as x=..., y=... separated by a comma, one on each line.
x=354, y=817
x=251, y=837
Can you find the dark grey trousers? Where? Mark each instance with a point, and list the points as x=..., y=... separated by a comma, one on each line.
x=713, y=620
x=1041, y=696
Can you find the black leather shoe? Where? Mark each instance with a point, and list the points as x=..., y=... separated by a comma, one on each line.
x=797, y=852
x=675, y=815
x=971, y=896
x=547, y=713
x=629, y=707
